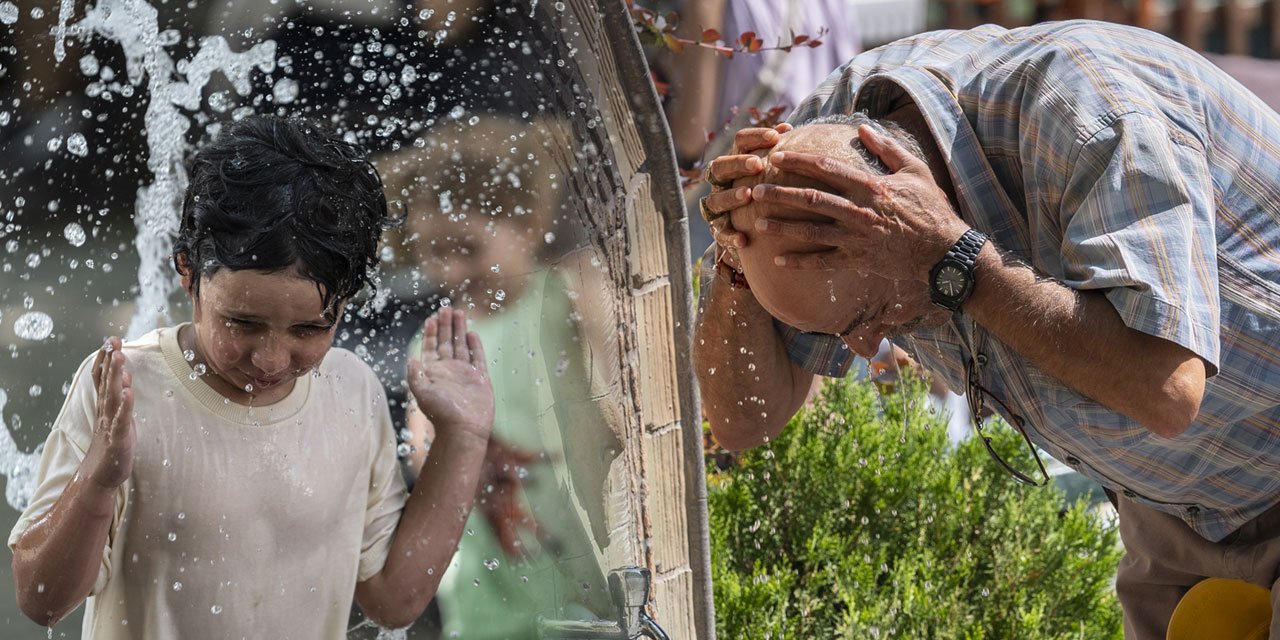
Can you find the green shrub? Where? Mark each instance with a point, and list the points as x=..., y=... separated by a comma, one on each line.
x=856, y=523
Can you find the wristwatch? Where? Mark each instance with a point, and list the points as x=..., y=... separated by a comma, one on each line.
x=951, y=280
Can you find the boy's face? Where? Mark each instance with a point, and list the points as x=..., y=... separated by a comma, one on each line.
x=258, y=331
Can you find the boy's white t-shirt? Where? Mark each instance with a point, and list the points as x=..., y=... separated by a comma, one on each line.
x=236, y=522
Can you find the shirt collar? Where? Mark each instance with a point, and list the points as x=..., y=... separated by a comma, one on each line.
x=984, y=204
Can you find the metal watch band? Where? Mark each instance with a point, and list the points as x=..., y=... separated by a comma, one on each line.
x=967, y=248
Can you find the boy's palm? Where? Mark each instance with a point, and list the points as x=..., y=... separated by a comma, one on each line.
x=450, y=379
x=110, y=456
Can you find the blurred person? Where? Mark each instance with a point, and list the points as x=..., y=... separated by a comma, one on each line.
x=1075, y=222
x=481, y=202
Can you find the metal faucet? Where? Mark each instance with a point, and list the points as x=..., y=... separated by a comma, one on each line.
x=629, y=590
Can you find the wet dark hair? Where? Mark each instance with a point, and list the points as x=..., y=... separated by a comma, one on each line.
x=272, y=193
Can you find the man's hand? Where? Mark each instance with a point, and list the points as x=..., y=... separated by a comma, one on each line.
x=723, y=171
x=450, y=379
x=110, y=457
x=897, y=225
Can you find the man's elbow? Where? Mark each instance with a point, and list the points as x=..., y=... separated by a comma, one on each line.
x=738, y=434
x=1177, y=403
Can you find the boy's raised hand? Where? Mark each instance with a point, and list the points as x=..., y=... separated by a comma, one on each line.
x=450, y=378
x=110, y=456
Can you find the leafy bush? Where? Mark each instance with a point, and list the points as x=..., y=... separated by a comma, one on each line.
x=858, y=524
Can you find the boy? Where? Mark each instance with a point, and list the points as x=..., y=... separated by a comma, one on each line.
x=234, y=477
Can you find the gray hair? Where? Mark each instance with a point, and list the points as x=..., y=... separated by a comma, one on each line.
x=884, y=127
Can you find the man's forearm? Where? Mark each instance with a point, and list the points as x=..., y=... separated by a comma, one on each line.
x=749, y=387
x=1080, y=339
x=55, y=562
x=428, y=533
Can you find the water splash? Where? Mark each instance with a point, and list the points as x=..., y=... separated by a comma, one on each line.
x=171, y=86
x=133, y=25
x=33, y=325
x=19, y=467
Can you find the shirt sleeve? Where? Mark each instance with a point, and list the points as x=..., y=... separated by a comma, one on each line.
x=1137, y=222
x=387, y=492
x=60, y=459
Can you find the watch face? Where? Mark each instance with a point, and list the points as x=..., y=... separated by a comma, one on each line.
x=951, y=282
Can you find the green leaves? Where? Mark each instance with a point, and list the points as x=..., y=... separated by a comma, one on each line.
x=851, y=525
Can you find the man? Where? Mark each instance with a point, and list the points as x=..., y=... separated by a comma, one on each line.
x=1087, y=242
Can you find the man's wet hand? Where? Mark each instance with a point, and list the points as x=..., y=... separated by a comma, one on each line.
x=897, y=225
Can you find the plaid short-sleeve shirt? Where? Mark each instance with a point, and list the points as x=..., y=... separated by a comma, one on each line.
x=1110, y=158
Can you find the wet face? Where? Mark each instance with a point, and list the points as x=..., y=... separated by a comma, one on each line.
x=257, y=332
x=866, y=306
x=472, y=258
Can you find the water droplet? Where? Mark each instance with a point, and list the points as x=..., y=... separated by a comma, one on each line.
x=491, y=564
x=499, y=295
x=89, y=65
x=8, y=13
x=173, y=536
x=74, y=233
x=216, y=609
x=189, y=355
x=524, y=578
x=285, y=91
x=40, y=588
x=403, y=449
x=248, y=388
x=33, y=325
x=496, y=268
x=473, y=120
x=177, y=586
x=77, y=145
x=34, y=391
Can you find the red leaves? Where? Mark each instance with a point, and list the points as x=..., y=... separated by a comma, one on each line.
x=659, y=30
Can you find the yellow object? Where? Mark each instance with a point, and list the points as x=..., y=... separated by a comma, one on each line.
x=1222, y=609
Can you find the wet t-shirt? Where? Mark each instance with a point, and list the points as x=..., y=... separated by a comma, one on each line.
x=236, y=522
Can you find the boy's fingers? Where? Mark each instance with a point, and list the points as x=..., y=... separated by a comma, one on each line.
x=444, y=347
x=477, y=352
x=97, y=367
x=430, y=338
x=120, y=425
x=460, y=350
x=111, y=392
